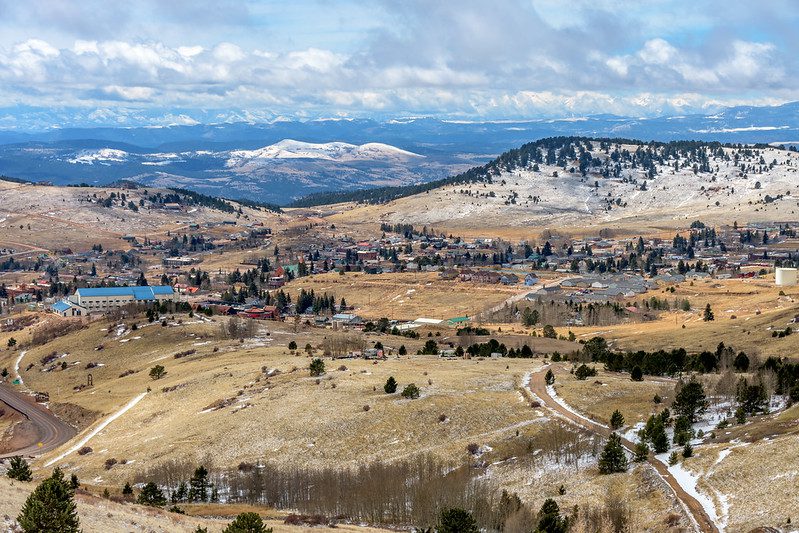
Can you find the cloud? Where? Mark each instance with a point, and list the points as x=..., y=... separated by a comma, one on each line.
x=516, y=59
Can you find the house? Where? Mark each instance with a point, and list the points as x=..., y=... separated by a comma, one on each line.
x=346, y=320
x=530, y=280
x=509, y=279
x=486, y=276
x=268, y=312
x=66, y=308
x=103, y=299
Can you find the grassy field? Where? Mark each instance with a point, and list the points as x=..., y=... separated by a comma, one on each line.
x=599, y=396
x=746, y=313
x=406, y=295
x=273, y=410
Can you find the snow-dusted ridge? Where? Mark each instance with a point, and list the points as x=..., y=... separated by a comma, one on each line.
x=332, y=151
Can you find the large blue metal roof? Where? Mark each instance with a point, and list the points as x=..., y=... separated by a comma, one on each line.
x=139, y=292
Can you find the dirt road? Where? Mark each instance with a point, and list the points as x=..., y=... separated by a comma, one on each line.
x=538, y=387
x=52, y=431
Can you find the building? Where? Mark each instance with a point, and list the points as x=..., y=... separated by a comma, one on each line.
x=104, y=299
x=785, y=277
x=66, y=308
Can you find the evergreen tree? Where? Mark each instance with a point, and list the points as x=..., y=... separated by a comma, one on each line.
x=247, y=523
x=613, y=459
x=198, y=485
x=690, y=400
x=391, y=385
x=402, y=350
x=636, y=374
x=317, y=367
x=549, y=377
x=708, y=314
x=549, y=519
x=616, y=420
x=660, y=441
x=127, y=490
x=411, y=392
x=456, y=520
x=152, y=495
x=19, y=469
x=641, y=452
x=50, y=508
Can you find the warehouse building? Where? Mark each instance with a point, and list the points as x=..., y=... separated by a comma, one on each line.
x=103, y=299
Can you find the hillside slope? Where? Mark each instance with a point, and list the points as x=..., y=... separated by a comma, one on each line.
x=577, y=182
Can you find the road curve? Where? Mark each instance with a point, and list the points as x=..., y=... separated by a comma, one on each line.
x=52, y=431
x=538, y=387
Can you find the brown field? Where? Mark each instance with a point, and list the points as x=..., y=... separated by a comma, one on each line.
x=756, y=304
x=599, y=396
x=288, y=418
x=406, y=296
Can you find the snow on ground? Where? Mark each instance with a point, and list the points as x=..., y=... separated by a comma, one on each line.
x=80, y=444
x=16, y=365
x=560, y=401
x=688, y=481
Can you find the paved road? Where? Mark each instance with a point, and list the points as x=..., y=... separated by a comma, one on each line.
x=52, y=431
x=539, y=387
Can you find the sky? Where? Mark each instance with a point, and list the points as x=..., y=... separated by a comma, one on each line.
x=156, y=62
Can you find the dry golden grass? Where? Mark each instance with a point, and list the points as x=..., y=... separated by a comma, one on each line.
x=287, y=418
x=616, y=391
x=406, y=295
x=757, y=305
x=757, y=480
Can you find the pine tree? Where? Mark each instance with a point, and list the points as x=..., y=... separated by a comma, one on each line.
x=391, y=385
x=456, y=520
x=127, y=490
x=641, y=452
x=152, y=495
x=708, y=315
x=317, y=367
x=19, y=469
x=198, y=485
x=50, y=508
x=549, y=377
x=690, y=400
x=549, y=519
x=403, y=350
x=613, y=459
x=660, y=441
x=247, y=523
x=636, y=374
x=616, y=420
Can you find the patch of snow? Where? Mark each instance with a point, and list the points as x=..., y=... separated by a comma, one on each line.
x=98, y=429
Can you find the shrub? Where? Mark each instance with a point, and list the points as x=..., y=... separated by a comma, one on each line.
x=247, y=523
x=584, y=371
x=19, y=469
x=411, y=391
x=157, y=372
x=317, y=367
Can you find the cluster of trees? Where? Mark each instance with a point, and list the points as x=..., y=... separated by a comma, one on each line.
x=662, y=362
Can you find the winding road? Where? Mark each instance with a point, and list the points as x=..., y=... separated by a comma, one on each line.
x=538, y=387
x=52, y=431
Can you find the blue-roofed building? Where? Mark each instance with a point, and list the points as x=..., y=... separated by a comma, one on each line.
x=103, y=299
x=68, y=309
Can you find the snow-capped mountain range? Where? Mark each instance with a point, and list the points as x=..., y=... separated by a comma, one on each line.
x=282, y=160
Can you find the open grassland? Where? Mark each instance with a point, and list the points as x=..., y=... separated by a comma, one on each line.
x=253, y=401
x=99, y=514
x=754, y=480
x=40, y=218
x=406, y=295
x=599, y=396
x=747, y=311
